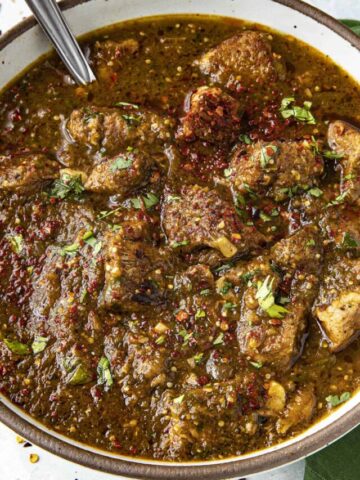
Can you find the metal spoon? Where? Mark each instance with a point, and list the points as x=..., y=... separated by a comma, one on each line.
x=52, y=21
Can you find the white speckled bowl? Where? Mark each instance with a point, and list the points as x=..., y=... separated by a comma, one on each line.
x=26, y=43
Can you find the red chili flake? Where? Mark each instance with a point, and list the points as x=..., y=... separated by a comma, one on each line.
x=203, y=380
x=182, y=316
x=116, y=444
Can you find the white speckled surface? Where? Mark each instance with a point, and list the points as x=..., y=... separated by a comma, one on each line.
x=14, y=458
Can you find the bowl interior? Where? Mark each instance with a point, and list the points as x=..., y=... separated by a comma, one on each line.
x=17, y=52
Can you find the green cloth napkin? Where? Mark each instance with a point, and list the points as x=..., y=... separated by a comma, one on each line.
x=340, y=461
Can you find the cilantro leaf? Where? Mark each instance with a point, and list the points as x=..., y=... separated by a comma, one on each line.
x=17, y=347
x=302, y=114
x=121, y=163
x=104, y=372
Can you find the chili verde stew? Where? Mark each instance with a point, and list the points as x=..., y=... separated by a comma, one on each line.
x=179, y=246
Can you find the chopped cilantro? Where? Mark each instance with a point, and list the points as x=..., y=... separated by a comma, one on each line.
x=104, y=372
x=200, y=314
x=338, y=200
x=227, y=172
x=349, y=241
x=264, y=217
x=160, y=340
x=315, y=192
x=126, y=104
x=266, y=299
x=173, y=198
x=149, y=200
x=16, y=243
x=131, y=119
x=107, y=213
x=256, y=364
x=83, y=296
x=179, y=399
x=70, y=250
x=335, y=400
x=179, y=244
x=219, y=340
x=229, y=306
x=310, y=243
x=197, y=358
x=186, y=336
x=250, y=191
x=245, y=139
x=302, y=114
x=332, y=155
x=121, y=163
x=17, y=347
x=67, y=186
x=39, y=344
x=205, y=292
x=267, y=154
x=226, y=287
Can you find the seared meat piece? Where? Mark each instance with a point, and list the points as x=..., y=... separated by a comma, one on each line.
x=190, y=420
x=200, y=217
x=299, y=409
x=110, y=52
x=270, y=331
x=26, y=172
x=113, y=128
x=134, y=273
x=46, y=286
x=344, y=139
x=245, y=59
x=300, y=252
x=135, y=364
x=342, y=226
x=212, y=115
x=338, y=304
x=276, y=169
x=195, y=278
x=120, y=174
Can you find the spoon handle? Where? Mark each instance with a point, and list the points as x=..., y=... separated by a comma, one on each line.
x=52, y=21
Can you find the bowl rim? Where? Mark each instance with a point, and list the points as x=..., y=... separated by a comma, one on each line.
x=234, y=467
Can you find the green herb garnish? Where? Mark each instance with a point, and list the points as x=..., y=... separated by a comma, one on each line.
x=302, y=114
x=197, y=358
x=245, y=139
x=179, y=399
x=104, y=372
x=16, y=243
x=67, y=186
x=267, y=154
x=70, y=250
x=349, y=241
x=126, y=104
x=39, y=344
x=179, y=244
x=315, y=192
x=335, y=400
x=149, y=200
x=256, y=364
x=17, y=347
x=219, y=340
x=266, y=299
x=121, y=163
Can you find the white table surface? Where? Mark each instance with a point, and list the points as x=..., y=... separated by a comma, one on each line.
x=14, y=458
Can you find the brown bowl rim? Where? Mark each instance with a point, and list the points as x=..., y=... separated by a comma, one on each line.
x=208, y=471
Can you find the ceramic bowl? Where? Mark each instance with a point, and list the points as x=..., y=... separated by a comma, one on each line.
x=26, y=43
